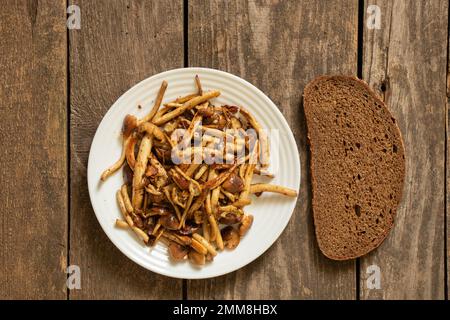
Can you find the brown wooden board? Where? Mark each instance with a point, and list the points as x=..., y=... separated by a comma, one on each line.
x=405, y=61
x=279, y=46
x=120, y=43
x=33, y=126
x=447, y=196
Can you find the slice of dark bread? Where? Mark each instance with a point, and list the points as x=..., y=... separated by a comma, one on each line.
x=357, y=165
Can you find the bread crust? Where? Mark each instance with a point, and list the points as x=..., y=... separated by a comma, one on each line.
x=334, y=242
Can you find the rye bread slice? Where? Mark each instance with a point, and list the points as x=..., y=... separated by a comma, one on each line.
x=357, y=165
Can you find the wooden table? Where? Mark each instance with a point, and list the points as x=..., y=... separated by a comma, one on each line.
x=56, y=84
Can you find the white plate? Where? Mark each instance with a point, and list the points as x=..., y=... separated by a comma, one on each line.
x=271, y=211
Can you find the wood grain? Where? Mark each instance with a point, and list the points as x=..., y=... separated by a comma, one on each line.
x=407, y=58
x=120, y=43
x=447, y=196
x=279, y=46
x=33, y=221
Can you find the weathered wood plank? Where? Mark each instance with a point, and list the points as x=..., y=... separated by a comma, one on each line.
x=407, y=57
x=33, y=129
x=279, y=46
x=447, y=196
x=120, y=43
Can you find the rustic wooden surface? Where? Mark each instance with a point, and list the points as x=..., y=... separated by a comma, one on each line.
x=119, y=44
x=447, y=198
x=33, y=223
x=59, y=76
x=409, y=56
